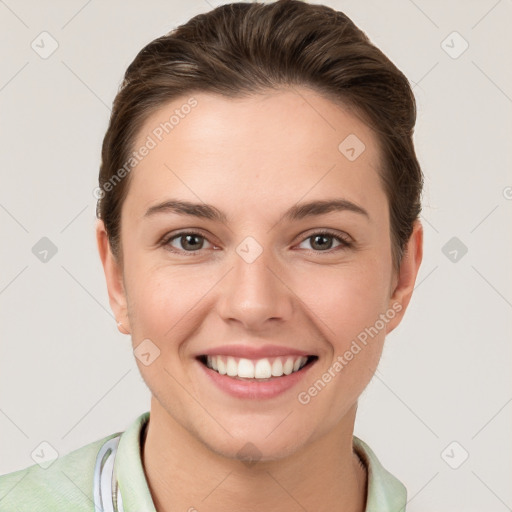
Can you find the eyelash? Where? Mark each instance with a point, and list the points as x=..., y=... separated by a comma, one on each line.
x=344, y=242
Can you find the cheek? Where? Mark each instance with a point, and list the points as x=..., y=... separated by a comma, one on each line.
x=161, y=299
x=348, y=300
x=352, y=307
x=164, y=304
x=348, y=313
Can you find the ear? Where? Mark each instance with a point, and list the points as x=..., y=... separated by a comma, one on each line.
x=405, y=279
x=114, y=277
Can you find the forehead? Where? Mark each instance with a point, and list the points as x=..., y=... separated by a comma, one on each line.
x=267, y=148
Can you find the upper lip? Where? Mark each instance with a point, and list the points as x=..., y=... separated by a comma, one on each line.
x=253, y=352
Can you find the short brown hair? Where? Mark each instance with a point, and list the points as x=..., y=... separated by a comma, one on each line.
x=239, y=49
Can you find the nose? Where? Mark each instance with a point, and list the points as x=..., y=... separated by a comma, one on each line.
x=254, y=293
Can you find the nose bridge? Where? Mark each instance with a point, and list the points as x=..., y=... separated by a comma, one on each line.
x=253, y=292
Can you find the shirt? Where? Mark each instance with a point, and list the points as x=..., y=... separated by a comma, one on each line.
x=108, y=476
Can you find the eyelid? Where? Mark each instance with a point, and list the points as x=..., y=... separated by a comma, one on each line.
x=344, y=237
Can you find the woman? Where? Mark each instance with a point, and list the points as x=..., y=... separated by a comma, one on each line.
x=258, y=209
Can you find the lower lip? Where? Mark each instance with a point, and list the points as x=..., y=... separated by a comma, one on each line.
x=255, y=389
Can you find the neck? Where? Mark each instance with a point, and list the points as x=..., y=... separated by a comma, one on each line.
x=184, y=474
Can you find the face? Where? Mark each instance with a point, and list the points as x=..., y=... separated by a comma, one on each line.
x=283, y=249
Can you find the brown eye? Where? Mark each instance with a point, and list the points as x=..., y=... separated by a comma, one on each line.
x=186, y=242
x=323, y=241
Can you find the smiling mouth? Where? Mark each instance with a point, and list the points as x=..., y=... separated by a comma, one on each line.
x=263, y=369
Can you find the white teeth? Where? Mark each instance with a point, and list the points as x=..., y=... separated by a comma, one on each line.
x=259, y=369
x=288, y=366
x=263, y=369
x=221, y=365
x=277, y=367
x=245, y=369
x=231, y=367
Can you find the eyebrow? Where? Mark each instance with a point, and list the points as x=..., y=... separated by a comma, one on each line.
x=296, y=212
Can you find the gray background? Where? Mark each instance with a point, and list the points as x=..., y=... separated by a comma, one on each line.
x=68, y=377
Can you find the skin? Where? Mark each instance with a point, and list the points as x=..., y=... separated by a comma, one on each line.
x=253, y=158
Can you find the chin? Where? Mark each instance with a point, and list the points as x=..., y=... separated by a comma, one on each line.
x=254, y=452
x=269, y=437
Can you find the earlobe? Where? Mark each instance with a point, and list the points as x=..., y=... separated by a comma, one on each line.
x=408, y=272
x=121, y=328
x=114, y=279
